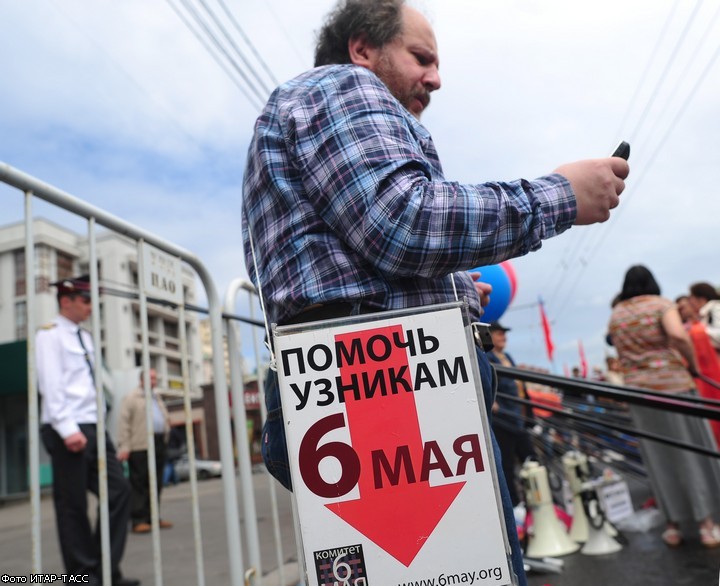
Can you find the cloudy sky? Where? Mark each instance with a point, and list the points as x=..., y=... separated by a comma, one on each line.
x=121, y=105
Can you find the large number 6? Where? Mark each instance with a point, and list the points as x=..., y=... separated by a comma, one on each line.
x=311, y=455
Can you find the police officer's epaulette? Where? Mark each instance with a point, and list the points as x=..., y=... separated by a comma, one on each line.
x=49, y=326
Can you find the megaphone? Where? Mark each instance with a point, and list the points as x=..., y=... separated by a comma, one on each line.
x=577, y=472
x=599, y=541
x=548, y=538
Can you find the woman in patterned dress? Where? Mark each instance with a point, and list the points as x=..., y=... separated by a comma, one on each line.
x=656, y=353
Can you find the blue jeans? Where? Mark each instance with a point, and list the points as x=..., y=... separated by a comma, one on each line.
x=274, y=451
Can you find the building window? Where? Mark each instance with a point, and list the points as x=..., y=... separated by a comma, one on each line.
x=42, y=269
x=19, y=258
x=64, y=266
x=174, y=368
x=21, y=320
x=171, y=329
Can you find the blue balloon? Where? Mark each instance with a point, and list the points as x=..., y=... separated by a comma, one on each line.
x=496, y=276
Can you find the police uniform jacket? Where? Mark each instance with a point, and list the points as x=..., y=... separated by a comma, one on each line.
x=64, y=377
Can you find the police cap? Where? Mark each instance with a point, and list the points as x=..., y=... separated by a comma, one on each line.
x=76, y=286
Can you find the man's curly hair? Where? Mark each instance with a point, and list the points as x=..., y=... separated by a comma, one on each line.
x=380, y=21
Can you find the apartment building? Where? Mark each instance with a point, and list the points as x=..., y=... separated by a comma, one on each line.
x=61, y=253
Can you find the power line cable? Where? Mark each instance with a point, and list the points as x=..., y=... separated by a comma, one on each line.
x=669, y=130
x=576, y=252
x=248, y=42
x=128, y=75
x=281, y=26
x=592, y=248
x=664, y=75
x=655, y=153
x=256, y=101
x=685, y=71
x=655, y=52
x=238, y=52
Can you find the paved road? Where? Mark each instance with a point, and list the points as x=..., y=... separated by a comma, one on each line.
x=644, y=561
x=177, y=544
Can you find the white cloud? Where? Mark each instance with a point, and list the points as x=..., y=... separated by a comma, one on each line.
x=119, y=104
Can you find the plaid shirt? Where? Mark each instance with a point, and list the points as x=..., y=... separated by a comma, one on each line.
x=346, y=200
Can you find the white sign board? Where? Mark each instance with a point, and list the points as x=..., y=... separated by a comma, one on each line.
x=162, y=274
x=616, y=501
x=392, y=473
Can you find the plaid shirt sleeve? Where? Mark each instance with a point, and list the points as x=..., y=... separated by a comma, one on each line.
x=335, y=153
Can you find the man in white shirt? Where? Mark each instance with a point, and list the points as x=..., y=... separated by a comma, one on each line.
x=65, y=364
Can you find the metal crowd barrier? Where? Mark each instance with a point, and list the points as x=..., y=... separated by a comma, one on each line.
x=604, y=428
x=687, y=405
x=237, y=389
x=34, y=188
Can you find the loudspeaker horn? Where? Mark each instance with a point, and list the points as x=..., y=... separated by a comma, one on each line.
x=548, y=538
x=599, y=540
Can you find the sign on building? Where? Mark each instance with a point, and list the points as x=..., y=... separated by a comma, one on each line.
x=162, y=274
x=391, y=466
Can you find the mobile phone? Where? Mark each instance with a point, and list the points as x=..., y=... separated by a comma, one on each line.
x=622, y=150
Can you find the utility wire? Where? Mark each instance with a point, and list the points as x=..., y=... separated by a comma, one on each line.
x=257, y=100
x=664, y=75
x=643, y=77
x=239, y=53
x=59, y=7
x=302, y=59
x=248, y=42
x=665, y=137
x=618, y=213
x=577, y=255
x=685, y=71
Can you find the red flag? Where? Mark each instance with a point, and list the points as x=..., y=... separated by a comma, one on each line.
x=583, y=361
x=549, y=346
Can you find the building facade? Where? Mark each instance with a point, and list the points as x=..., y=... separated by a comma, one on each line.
x=61, y=253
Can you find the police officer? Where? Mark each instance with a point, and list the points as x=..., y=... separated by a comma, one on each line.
x=65, y=371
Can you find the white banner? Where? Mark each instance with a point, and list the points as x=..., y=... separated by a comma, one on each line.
x=616, y=500
x=390, y=464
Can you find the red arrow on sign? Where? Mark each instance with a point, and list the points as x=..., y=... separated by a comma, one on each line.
x=398, y=516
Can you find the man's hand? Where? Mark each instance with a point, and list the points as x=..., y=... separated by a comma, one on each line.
x=597, y=183
x=76, y=442
x=483, y=289
x=123, y=455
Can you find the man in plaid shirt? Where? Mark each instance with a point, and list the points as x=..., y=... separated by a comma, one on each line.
x=346, y=205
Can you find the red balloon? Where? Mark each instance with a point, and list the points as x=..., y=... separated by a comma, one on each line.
x=510, y=271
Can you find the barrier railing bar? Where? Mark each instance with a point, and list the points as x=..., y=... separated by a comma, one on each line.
x=100, y=397
x=237, y=388
x=190, y=442
x=591, y=434
x=25, y=182
x=147, y=391
x=33, y=423
x=633, y=395
x=631, y=431
x=250, y=288
x=187, y=306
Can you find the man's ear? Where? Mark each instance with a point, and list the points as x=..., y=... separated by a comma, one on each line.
x=362, y=53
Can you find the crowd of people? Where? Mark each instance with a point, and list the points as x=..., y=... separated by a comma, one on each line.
x=342, y=173
x=656, y=351
x=665, y=346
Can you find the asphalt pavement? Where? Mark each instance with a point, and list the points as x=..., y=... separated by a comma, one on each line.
x=177, y=544
x=643, y=561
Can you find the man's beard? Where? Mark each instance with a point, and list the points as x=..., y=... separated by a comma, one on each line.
x=392, y=78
